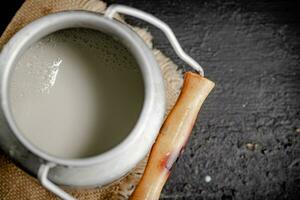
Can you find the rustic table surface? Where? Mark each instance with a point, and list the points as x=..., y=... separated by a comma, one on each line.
x=247, y=137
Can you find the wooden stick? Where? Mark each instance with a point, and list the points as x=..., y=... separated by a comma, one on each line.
x=173, y=136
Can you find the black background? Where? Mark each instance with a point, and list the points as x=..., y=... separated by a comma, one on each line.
x=247, y=137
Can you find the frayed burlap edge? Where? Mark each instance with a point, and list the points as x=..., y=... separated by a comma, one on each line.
x=16, y=184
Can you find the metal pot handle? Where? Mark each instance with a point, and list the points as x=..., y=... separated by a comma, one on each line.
x=111, y=10
x=42, y=176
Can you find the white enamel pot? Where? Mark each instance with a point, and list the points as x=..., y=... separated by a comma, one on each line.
x=113, y=164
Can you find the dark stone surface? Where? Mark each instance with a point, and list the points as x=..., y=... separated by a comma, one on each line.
x=247, y=137
x=7, y=11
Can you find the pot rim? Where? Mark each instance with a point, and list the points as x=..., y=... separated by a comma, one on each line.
x=153, y=84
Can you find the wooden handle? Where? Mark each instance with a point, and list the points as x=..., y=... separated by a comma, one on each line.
x=173, y=136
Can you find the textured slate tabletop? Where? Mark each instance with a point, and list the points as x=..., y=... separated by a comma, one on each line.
x=247, y=137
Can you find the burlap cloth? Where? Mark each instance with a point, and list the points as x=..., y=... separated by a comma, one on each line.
x=15, y=183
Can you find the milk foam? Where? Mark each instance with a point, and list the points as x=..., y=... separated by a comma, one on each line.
x=76, y=93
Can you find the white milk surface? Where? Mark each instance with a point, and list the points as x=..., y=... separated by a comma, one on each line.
x=76, y=93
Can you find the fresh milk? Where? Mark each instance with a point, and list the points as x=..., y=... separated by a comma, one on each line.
x=76, y=93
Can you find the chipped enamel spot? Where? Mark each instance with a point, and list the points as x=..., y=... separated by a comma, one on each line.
x=169, y=160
